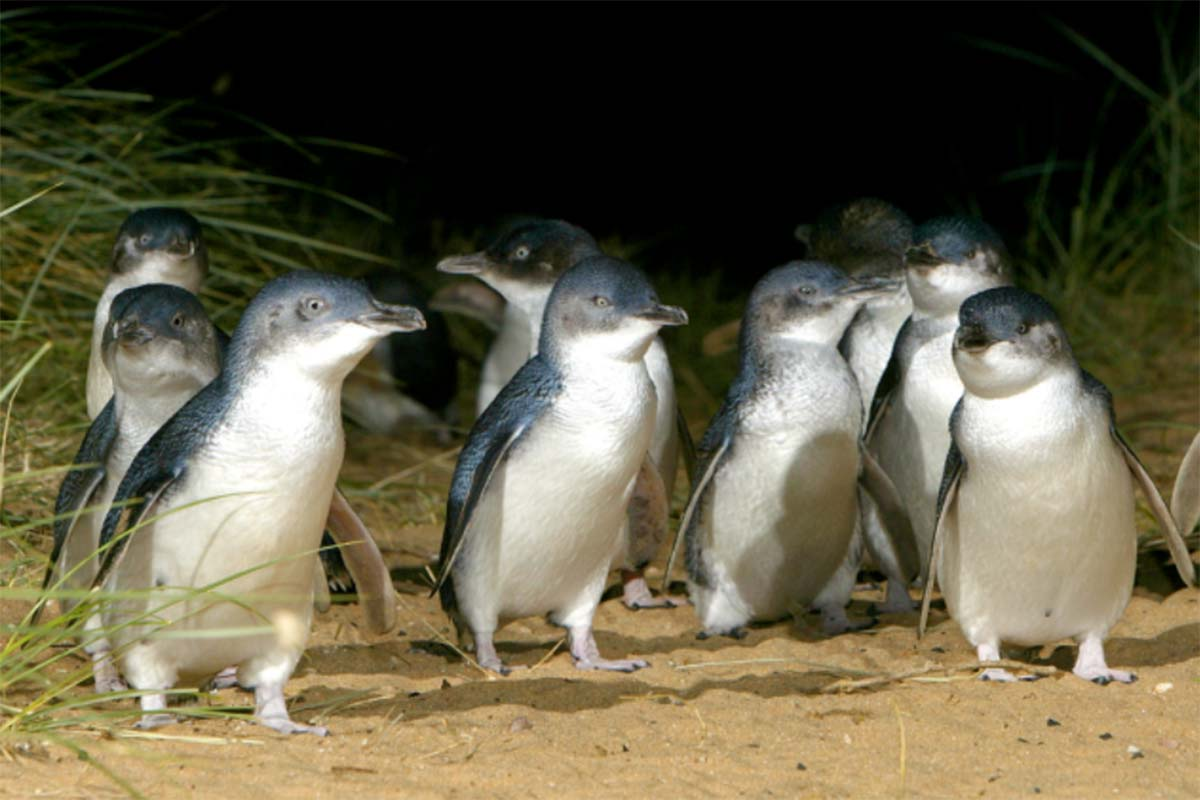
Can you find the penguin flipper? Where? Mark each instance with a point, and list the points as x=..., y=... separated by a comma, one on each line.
x=706, y=469
x=365, y=564
x=150, y=489
x=79, y=486
x=888, y=383
x=900, y=544
x=952, y=474
x=687, y=445
x=1185, y=498
x=1166, y=523
x=514, y=410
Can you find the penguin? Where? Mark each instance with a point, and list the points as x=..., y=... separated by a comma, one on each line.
x=232, y=495
x=775, y=505
x=540, y=490
x=410, y=380
x=1035, y=538
x=1185, y=497
x=154, y=245
x=523, y=266
x=160, y=349
x=952, y=259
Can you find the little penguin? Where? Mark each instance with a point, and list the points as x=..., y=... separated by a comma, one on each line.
x=232, y=495
x=154, y=245
x=952, y=259
x=534, y=516
x=1035, y=538
x=410, y=380
x=523, y=266
x=775, y=502
x=160, y=349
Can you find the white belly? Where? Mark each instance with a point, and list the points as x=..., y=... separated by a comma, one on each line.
x=869, y=341
x=548, y=527
x=511, y=348
x=1043, y=545
x=913, y=439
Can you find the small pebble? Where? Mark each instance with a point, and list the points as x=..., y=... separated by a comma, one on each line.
x=1135, y=751
x=1106, y=736
x=520, y=724
x=445, y=684
x=800, y=766
x=1163, y=688
x=1170, y=744
x=1051, y=722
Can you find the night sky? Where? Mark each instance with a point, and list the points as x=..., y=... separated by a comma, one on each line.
x=708, y=130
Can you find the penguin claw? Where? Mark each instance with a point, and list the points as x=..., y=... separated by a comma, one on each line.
x=285, y=725
x=151, y=721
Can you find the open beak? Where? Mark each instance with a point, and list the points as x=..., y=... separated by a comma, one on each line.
x=393, y=318
x=868, y=287
x=664, y=315
x=472, y=264
x=131, y=333
x=972, y=339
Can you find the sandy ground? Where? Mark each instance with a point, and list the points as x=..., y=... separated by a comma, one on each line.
x=769, y=716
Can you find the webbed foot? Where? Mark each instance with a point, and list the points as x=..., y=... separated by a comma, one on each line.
x=637, y=595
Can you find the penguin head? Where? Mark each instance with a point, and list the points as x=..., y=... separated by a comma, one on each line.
x=1007, y=340
x=316, y=324
x=604, y=307
x=524, y=263
x=863, y=236
x=951, y=259
x=806, y=301
x=164, y=242
x=158, y=338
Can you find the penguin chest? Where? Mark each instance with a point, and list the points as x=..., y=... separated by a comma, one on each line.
x=511, y=348
x=784, y=505
x=243, y=522
x=549, y=524
x=869, y=341
x=1042, y=545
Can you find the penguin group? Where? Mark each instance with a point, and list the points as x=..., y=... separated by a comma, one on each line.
x=898, y=406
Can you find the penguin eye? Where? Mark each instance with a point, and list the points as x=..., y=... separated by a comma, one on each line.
x=806, y=290
x=311, y=307
x=971, y=254
x=145, y=239
x=177, y=321
x=521, y=253
x=601, y=301
x=1022, y=329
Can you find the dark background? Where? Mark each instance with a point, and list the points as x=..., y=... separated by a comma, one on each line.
x=706, y=131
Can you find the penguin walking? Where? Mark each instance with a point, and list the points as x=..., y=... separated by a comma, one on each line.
x=1035, y=538
x=775, y=503
x=952, y=259
x=234, y=493
x=154, y=245
x=160, y=349
x=523, y=266
x=540, y=490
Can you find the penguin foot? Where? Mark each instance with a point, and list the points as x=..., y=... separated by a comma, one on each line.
x=834, y=621
x=738, y=633
x=225, y=679
x=896, y=600
x=637, y=595
x=486, y=657
x=587, y=655
x=270, y=710
x=998, y=675
x=151, y=721
x=105, y=674
x=1091, y=666
x=153, y=703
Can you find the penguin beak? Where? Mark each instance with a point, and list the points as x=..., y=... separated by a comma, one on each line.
x=923, y=257
x=183, y=248
x=663, y=315
x=388, y=317
x=473, y=264
x=868, y=287
x=972, y=339
x=131, y=333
